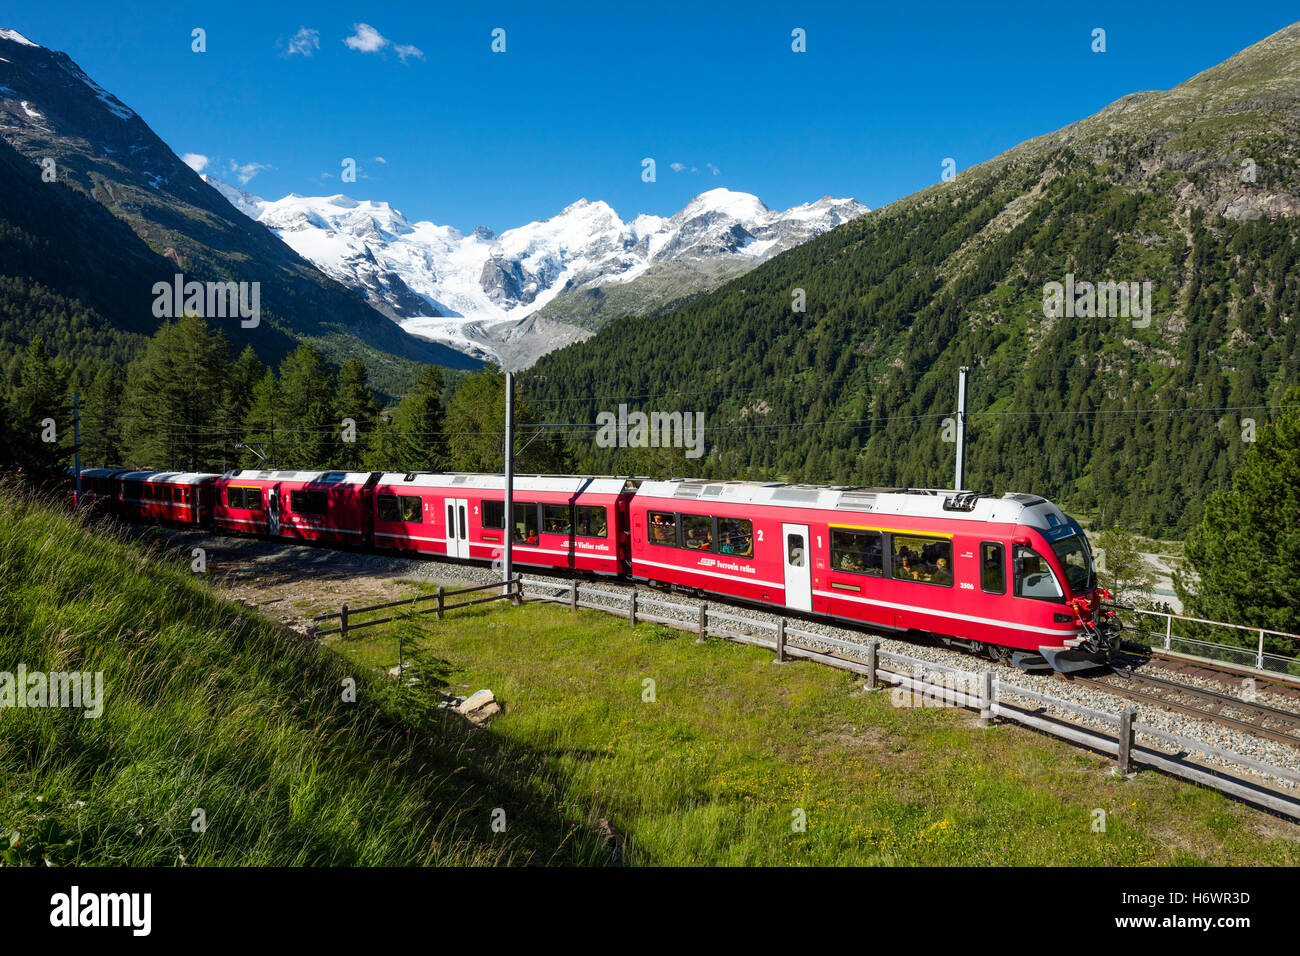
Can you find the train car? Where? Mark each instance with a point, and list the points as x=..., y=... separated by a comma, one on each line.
x=1009, y=575
x=98, y=488
x=322, y=506
x=180, y=497
x=577, y=523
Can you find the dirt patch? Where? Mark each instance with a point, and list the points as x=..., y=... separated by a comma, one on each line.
x=292, y=582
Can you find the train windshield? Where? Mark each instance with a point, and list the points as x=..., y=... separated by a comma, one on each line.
x=1076, y=560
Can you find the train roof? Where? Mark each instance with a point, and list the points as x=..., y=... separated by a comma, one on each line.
x=169, y=477
x=572, y=484
x=321, y=477
x=1011, y=508
x=97, y=472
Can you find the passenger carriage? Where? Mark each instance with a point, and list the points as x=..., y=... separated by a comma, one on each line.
x=326, y=506
x=98, y=488
x=182, y=497
x=1010, y=574
x=558, y=521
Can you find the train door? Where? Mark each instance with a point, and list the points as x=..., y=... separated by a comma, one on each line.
x=457, y=527
x=273, y=510
x=798, y=567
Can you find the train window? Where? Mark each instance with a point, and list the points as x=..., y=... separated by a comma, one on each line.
x=736, y=536
x=308, y=502
x=412, y=513
x=134, y=490
x=1034, y=576
x=525, y=522
x=593, y=522
x=922, y=558
x=993, y=567
x=556, y=519
x=662, y=528
x=387, y=508
x=860, y=552
x=494, y=515
x=248, y=499
x=795, y=551
x=697, y=532
x=148, y=491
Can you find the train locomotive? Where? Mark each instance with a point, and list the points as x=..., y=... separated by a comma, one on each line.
x=1010, y=576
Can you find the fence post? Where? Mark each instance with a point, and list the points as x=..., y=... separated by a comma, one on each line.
x=573, y=595
x=873, y=655
x=780, y=640
x=986, y=699
x=1259, y=660
x=343, y=622
x=703, y=624
x=1126, y=740
x=518, y=595
x=631, y=608
x=1169, y=628
x=440, y=602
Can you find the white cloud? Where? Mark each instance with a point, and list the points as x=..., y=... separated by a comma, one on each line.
x=303, y=42
x=195, y=161
x=677, y=167
x=380, y=159
x=716, y=170
x=246, y=171
x=366, y=39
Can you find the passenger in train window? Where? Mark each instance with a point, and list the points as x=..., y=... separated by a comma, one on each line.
x=941, y=573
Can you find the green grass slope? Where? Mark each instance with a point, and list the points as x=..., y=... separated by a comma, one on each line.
x=209, y=707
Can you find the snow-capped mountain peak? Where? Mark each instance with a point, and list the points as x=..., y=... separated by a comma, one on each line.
x=476, y=292
x=16, y=37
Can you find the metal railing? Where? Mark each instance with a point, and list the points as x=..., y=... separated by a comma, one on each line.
x=1243, y=655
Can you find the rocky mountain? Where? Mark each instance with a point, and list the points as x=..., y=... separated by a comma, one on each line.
x=87, y=142
x=1128, y=417
x=517, y=295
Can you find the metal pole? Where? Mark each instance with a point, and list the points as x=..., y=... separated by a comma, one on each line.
x=510, y=470
x=76, y=445
x=959, y=482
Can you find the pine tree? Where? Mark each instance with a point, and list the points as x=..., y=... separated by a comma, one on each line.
x=175, y=396
x=1246, y=551
x=419, y=426
x=40, y=397
x=260, y=448
x=354, y=402
x=305, y=410
x=101, y=427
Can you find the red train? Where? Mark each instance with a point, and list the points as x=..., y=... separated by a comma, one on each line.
x=1011, y=576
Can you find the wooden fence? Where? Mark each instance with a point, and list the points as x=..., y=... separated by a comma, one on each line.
x=510, y=589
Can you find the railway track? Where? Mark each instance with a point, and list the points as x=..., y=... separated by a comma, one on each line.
x=1229, y=674
x=1246, y=716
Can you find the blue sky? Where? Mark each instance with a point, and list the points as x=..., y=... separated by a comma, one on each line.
x=584, y=92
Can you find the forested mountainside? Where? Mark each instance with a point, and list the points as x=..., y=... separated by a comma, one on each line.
x=1193, y=190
